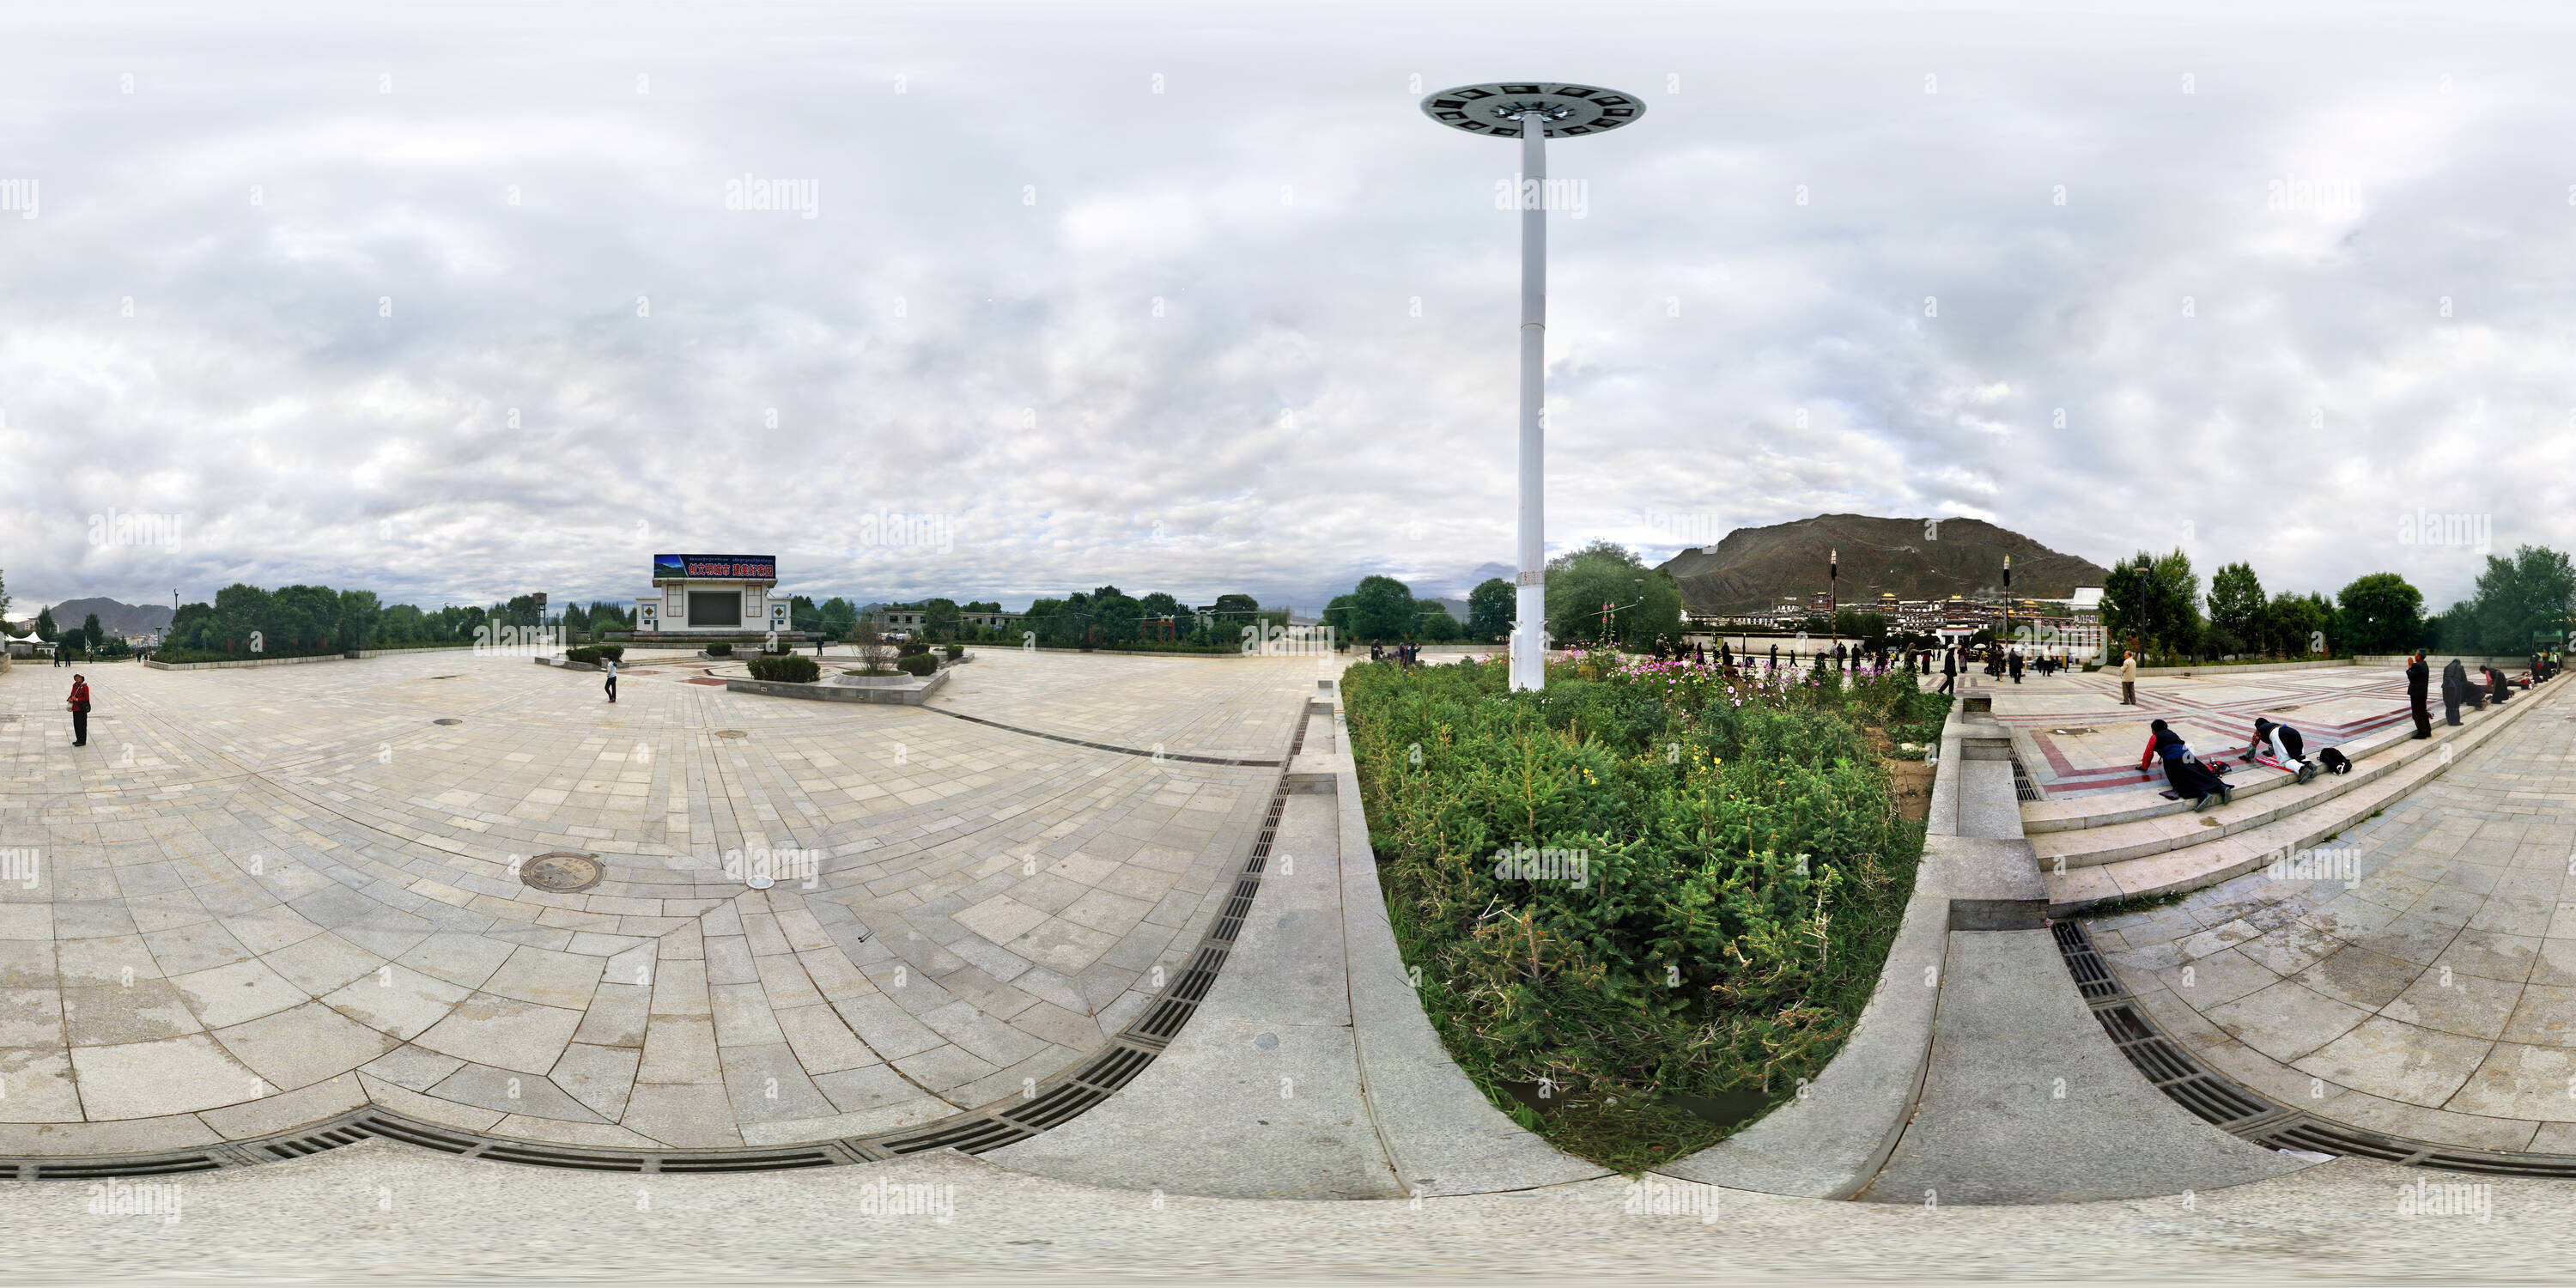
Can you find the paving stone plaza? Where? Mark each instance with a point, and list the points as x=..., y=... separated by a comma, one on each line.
x=264, y=896
x=264, y=901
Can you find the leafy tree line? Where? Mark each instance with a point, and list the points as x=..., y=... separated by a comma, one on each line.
x=1103, y=617
x=295, y=620
x=2153, y=602
x=1641, y=604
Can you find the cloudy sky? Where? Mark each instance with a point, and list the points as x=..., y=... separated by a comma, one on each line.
x=447, y=301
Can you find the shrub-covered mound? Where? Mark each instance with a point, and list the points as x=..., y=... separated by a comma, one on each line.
x=1647, y=902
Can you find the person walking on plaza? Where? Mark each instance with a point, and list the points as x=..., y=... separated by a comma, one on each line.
x=79, y=704
x=2129, y=678
x=2455, y=690
x=2419, y=678
x=1949, y=671
x=1775, y=655
x=612, y=677
x=2015, y=664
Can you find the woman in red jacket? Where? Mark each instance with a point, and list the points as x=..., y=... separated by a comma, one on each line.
x=79, y=703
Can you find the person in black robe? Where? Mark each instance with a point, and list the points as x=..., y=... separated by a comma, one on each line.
x=2419, y=677
x=2501, y=688
x=2183, y=771
x=2455, y=690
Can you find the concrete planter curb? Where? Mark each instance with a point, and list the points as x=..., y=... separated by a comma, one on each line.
x=910, y=696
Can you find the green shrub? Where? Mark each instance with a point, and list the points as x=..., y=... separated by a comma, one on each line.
x=615, y=651
x=911, y=648
x=792, y=669
x=586, y=655
x=956, y=651
x=917, y=664
x=1744, y=869
x=719, y=650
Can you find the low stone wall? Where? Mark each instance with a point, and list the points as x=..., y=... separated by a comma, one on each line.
x=2232, y=668
x=290, y=661
x=2439, y=660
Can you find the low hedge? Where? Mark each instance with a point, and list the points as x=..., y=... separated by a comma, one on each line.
x=917, y=664
x=586, y=656
x=719, y=650
x=791, y=669
x=911, y=648
x=956, y=651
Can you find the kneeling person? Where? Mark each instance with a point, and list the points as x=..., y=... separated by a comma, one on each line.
x=2279, y=746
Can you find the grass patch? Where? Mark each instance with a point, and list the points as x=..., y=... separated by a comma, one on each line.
x=1648, y=902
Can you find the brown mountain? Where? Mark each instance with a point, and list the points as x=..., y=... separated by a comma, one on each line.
x=1756, y=568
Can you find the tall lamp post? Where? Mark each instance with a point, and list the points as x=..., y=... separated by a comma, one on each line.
x=1533, y=112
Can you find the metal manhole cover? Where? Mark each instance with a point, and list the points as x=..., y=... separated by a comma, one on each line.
x=731, y=733
x=447, y=720
x=562, y=872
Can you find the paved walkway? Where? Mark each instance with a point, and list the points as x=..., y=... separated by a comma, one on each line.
x=263, y=896
x=2426, y=986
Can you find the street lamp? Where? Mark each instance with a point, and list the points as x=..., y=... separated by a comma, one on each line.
x=1533, y=112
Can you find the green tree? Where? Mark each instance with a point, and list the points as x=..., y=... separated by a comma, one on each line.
x=1381, y=608
x=2236, y=606
x=1579, y=582
x=840, y=617
x=939, y=618
x=4, y=598
x=91, y=634
x=802, y=615
x=358, y=615
x=2298, y=625
x=45, y=627
x=1337, y=615
x=1432, y=622
x=1491, y=606
x=2532, y=592
x=2380, y=613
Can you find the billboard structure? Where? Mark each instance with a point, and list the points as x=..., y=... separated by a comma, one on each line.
x=713, y=597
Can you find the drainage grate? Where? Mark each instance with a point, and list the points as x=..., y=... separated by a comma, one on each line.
x=447, y=720
x=2023, y=788
x=2223, y=1103
x=562, y=872
x=731, y=733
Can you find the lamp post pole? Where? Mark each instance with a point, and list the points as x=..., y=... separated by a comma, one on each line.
x=1532, y=112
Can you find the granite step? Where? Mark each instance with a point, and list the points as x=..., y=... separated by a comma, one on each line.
x=2223, y=853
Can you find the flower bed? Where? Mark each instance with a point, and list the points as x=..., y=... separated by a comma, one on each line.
x=1647, y=902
